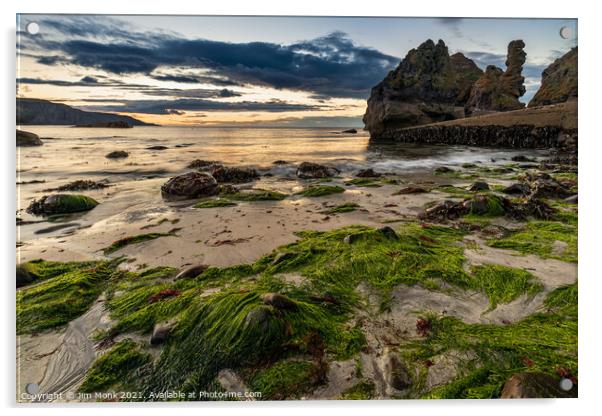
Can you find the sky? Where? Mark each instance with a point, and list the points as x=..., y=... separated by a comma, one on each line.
x=230, y=70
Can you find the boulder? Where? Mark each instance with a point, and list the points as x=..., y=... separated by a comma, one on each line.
x=234, y=175
x=203, y=164
x=517, y=189
x=549, y=188
x=160, y=334
x=192, y=272
x=61, y=204
x=479, y=186
x=309, y=170
x=190, y=185
x=368, y=173
x=278, y=301
x=27, y=139
x=117, y=154
x=535, y=386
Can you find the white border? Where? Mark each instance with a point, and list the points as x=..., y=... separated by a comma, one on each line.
x=590, y=371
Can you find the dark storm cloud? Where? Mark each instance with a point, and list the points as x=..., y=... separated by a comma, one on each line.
x=194, y=79
x=331, y=65
x=180, y=105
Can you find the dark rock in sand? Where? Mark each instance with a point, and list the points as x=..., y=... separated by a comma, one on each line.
x=190, y=185
x=117, y=154
x=479, y=186
x=61, y=204
x=160, y=334
x=535, y=386
x=444, y=210
x=352, y=131
x=368, y=173
x=234, y=175
x=278, y=301
x=279, y=162
x=192, y=272
x=27, y=139
x=56, y=227
x=522, y=158
x=517, y=189
x=444, y=169
x=80, y=185
x=157, y=148
x=411, y=190
x=309, y=170
x=203, y=164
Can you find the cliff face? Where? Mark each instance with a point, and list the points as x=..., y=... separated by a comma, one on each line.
x=427, y=86
x=33, y=111
x=498, y=90
x=558, y=81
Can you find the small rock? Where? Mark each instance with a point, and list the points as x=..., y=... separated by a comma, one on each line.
x=522, y=158
x=157, y=148
x=160, y=334
x=549, y=188
x=309, y=170
x=259, y=318
x=517, y=189
x=203, y=164
x=479, y=186
x=278, y=301
x=388, y=232
x=411, y=190
x=279, y=162
x=444, y=169
x=571, y=199
x=190, y=185
x=27, y=139
x=352, y=131
x=351, y=238
x=117, y=154
x=192, y=272
x=535, y=386
x=368, y=173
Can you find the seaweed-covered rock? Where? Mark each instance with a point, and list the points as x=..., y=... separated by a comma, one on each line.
x=549, y=188
x=259, y=318
x=61, y=204
x=309, y=170
x=368, y=173
x=160, y=334
x=535, y=386
x=388, y=232
x=234, y=175
x=81, y=185
x=192, y=272
x=27, y=139
x=278, y=301
x=517, y=189
x=411, y=190
x=117, y=154
x=479, y=186
x=190, y=185
x=205, y=165
x=24, y=277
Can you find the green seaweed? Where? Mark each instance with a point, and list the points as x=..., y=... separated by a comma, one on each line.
x=538, y=237
x=115, y=369
x=287, y=379
x=363, y=390
x=503, y=284
x=140, y=238
x=215, y=203
x=38, y=270
x=346, y=207
x=320, y=190
x=256, y=195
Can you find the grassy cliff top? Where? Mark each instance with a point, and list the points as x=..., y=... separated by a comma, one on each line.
x=563, y=114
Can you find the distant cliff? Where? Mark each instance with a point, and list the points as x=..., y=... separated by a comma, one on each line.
x=427, y=86
x=558, y=81
x=43, y=112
